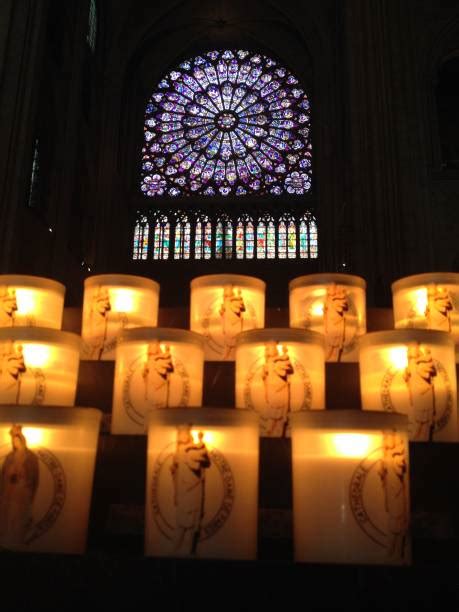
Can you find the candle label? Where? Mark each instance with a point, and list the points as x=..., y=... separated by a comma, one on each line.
x=32, y=491
x=422, y=390
x=339, y=321
x=275, y=385
x=158, y=380
x=9, y=309
x=19, y=383
x=192, y=491
x=101, y=326
x=436, y=305
x=379, y=497
x=225, y=318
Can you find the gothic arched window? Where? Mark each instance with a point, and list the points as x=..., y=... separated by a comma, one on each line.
x=224, y=125
x=140, y=247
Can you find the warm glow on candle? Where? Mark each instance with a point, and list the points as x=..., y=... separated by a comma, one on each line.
x=122, y=300
x=36, y=355
x=35, y=436
x=25, y=299
x=398, y=357
x=317, y=309
x=208, y=437
x=349, y=444
x=420, y=301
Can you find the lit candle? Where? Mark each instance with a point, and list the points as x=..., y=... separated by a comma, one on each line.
x=47, y=457
x=112, y=303
x=334, y=305
x=279, y=371
x=428, y=301
x=202, y=484
x=222, y=306
x=38, y=366
x=30, y=301
x=350, y=487
x=412, y=371
x=155, y=368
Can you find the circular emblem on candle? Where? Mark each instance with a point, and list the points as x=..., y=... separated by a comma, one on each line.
x=273, y=384
x=19, y=383
x=157, y=380
x=421, y=388
x=32, y=490
x=192, y=490
x=378, y=494
x=225, y=318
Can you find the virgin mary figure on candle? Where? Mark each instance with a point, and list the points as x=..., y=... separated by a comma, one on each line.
x=102, y=328
x=392, y=472
x=275, y=375
x=156, y=374
x=335, y=309
x=8, y=306
x=419, y=377
x=231, y=313
x=189, y=463
x=18, y=485
x=12, y=369
x=438, y=309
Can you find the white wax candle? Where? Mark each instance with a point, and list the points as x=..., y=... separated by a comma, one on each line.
x=223, y=306
x=46, y=474
x=350, y=495
x=202, y=485
x=412, y=372
x=334, y=305
x=113, y=303
x=279, y=371
x=155, y=368
x=38, y=366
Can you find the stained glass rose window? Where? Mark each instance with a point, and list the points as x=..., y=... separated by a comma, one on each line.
x=227, y=122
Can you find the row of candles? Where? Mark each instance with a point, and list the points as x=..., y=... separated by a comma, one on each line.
x=203, y=465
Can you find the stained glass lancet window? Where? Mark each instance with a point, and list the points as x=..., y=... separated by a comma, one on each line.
x=161, y=238
x=227, y=122
x=91, y=34
x=140, y=247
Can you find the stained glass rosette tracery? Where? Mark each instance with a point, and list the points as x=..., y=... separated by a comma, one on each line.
x=227, y=122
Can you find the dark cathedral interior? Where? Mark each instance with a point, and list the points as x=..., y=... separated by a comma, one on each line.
x=380, y=195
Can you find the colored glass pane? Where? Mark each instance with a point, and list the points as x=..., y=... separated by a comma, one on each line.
x=240, y=241
x=261, y=241
x=249, y=240
x=228, y=241
x=219, y=241
x=198, y=241
x=165, y=241
x=303, y=240
x=271, y=240
x=313, y=240
x=227, y=122
x=208, y=241
x=291, y=239
x=282, y=241
x=178, y=241
x=186, y=240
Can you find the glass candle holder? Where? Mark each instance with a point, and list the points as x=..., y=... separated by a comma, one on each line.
x=112, y=303
x=47, y=457
x=350, y=487
x=334, y=305
x=202, y=484
x=279, y=371
x=428, y=301
x=38, y=366
x=412, y=371
x=222, y=306
x=30, y=301
x=155, y=368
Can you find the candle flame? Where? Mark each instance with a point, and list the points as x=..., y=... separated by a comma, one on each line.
x=350, y=444
x=420, y=301
x=317, y=309
x=36, y=355
x=25, y=299
x=398, y=357
x=122, y=300
x=34, y=436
